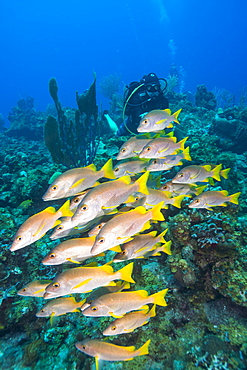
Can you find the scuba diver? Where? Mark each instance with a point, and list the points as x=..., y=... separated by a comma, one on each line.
x=142, y=97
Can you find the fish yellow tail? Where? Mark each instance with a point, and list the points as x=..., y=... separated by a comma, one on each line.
x=200, y=189
x=224, y=173
x=142, y=183
x=234, y=198
x=125, y=273
x=159, y=298
x=186, y=153
x=152, y=312
x=144, y=349
x=216, y=172
x=65, y=210
x=175, y=115
x=108, y=170
x=156, y=213
x=178, y=200
x=182, y=142
x=160, y=237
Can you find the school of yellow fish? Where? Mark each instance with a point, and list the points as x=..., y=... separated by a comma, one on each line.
x=116, y=214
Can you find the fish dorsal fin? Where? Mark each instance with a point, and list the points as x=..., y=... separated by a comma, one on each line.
x=106, y=268
x=125, y=179
x=207, y=167
x=152, y=233
x=224, y=192
x=77, y=183
x=91, y=167
x=168, y=111
x=141, y=210
x=142, y=293
x=48, y=210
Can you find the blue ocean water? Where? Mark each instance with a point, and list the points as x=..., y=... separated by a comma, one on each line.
x=71, y=40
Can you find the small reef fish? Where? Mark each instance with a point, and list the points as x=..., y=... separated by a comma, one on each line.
x=129, y=322
x=76, y=180
x=140, y=245
x=109, y=195
x=130, y=168
x=179, y=189
x=105, y=290
x=118, y=304
x=120, y=228
x=85, y=279
x=194, y=173
x=158, y=120
x=161, y=147
x=60, y=306
x=34, y=289
x=132, y=147
x=72, y=250
x=213, y=198
x=110, y=352
x=156, y=196
x=36, y=226
x=163, y=164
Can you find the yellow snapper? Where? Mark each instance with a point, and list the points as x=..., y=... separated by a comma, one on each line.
x=163, y=164
x=117, y=304
x=139, y=246
x=161, y=147
x=194, y=173
x=156, y=196
x=213, y=198
x=108, y=195
x=130, y=322
x=132, y=147
x=110, y=352
x=36, y=226
x=120, y=285
x=130, y=168
x=74, y=181
x=72, y=250
x=59, y=306
x=85, y=279
x=157, y=120
x=179, y=189
x=34, y=289
x=120, y=228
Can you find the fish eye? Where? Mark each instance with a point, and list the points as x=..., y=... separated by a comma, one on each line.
x=42, y=310
x=155, y=161
x=99, y=226
x=148, y=148
x=52, y=255
x=76, y=200
x=123, y=253
x=24, y=289
x=55, y=187
x=84, y=207
x=89, y=302
x=165, y=187
x=137, y=198
x=116, y=169
x=145, y=121
x=94, y=308
x=56, y=285
x=123, y=150
x=113, y=328
x=197, y=201
x=83, y=347
x=181, y=175
x=19, y=238
x=60, y=227
x=101, y=240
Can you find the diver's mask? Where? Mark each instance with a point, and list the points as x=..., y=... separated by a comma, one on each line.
x=152, y=89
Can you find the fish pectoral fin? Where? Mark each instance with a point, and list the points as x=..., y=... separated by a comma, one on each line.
x=70, y=260
x=115, y=316
x=39, y=229
x=77, y=183
x=82, y=283
x=209, y=209
x=161, y=121
x=117, y=249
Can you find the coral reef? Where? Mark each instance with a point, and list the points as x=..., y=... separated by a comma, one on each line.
x=204, y=325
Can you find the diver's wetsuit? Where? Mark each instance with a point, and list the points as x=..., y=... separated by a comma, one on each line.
x=138, y=104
